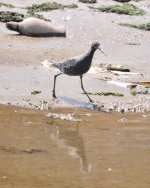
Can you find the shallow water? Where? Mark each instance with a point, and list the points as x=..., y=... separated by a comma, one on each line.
x=96, y=149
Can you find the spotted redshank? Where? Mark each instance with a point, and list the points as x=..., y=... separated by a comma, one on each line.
x=77, y=66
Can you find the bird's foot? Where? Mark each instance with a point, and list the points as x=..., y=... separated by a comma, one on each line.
x=54, y=96
x=90, y=100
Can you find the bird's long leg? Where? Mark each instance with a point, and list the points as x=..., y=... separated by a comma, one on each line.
x=84, y=89
x=53, y=92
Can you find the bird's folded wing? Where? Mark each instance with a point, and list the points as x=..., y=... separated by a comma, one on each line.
x=68, y=63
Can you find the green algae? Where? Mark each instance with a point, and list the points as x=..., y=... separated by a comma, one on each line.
x=44, y=7
x=107, y=94
x=145, y=27
x=134, y=93
x=132, y=43
x=35, y=92
x=7, y=5
x=126, y=8
x=10, y=16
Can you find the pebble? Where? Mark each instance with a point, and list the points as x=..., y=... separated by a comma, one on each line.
x=145, y=116
x=123, y=120
x=68, y=117
x=67, y=18
x=4, y=177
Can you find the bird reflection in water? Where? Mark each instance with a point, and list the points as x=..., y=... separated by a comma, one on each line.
x=68, y=137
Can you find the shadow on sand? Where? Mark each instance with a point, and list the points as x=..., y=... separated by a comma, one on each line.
x=80, y=104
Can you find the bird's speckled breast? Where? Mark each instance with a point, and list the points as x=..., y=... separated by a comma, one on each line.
x=78, y=67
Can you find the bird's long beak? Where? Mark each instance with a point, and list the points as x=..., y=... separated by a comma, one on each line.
x=101, y=51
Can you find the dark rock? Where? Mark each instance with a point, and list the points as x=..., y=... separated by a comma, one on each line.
x=88, y=1
x=122, y=1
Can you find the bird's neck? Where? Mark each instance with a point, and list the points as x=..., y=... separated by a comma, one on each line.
x=88, y=58
x=91, y=53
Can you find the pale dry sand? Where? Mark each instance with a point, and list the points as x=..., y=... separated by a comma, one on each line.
x=21, y=56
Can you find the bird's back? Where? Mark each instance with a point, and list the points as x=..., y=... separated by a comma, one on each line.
x=76, y=66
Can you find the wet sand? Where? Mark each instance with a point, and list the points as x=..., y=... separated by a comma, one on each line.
x=100, y=150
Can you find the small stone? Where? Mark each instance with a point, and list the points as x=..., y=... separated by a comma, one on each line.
x=67, y=18
x=123, y=120
x=122, y=110
x=88, y=114
x=109, y=169
x=4, y=177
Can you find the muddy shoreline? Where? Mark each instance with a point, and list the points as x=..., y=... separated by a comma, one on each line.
x=101, y=149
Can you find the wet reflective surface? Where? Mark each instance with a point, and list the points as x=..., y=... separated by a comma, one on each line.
x=97, y=149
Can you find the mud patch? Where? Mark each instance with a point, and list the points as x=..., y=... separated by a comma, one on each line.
x=38, y=151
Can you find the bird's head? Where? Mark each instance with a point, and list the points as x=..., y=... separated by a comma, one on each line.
x=96, y=46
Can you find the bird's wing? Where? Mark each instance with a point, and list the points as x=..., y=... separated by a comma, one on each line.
x=72, y=62
x=69, y=62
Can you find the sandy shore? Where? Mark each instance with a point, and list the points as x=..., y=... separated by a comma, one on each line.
x=58, y=146
x=21, y=58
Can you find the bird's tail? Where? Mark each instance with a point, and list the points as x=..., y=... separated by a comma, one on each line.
x=49, y=65
x=55, y=65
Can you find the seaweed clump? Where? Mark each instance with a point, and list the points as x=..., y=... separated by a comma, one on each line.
x=7, y=5
x=134, y=93
x=35, y=92
x=44, y=7
x=10, y=16
x=145, y=27
x=88, y=1
x=126, y=8
x=107, y=94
